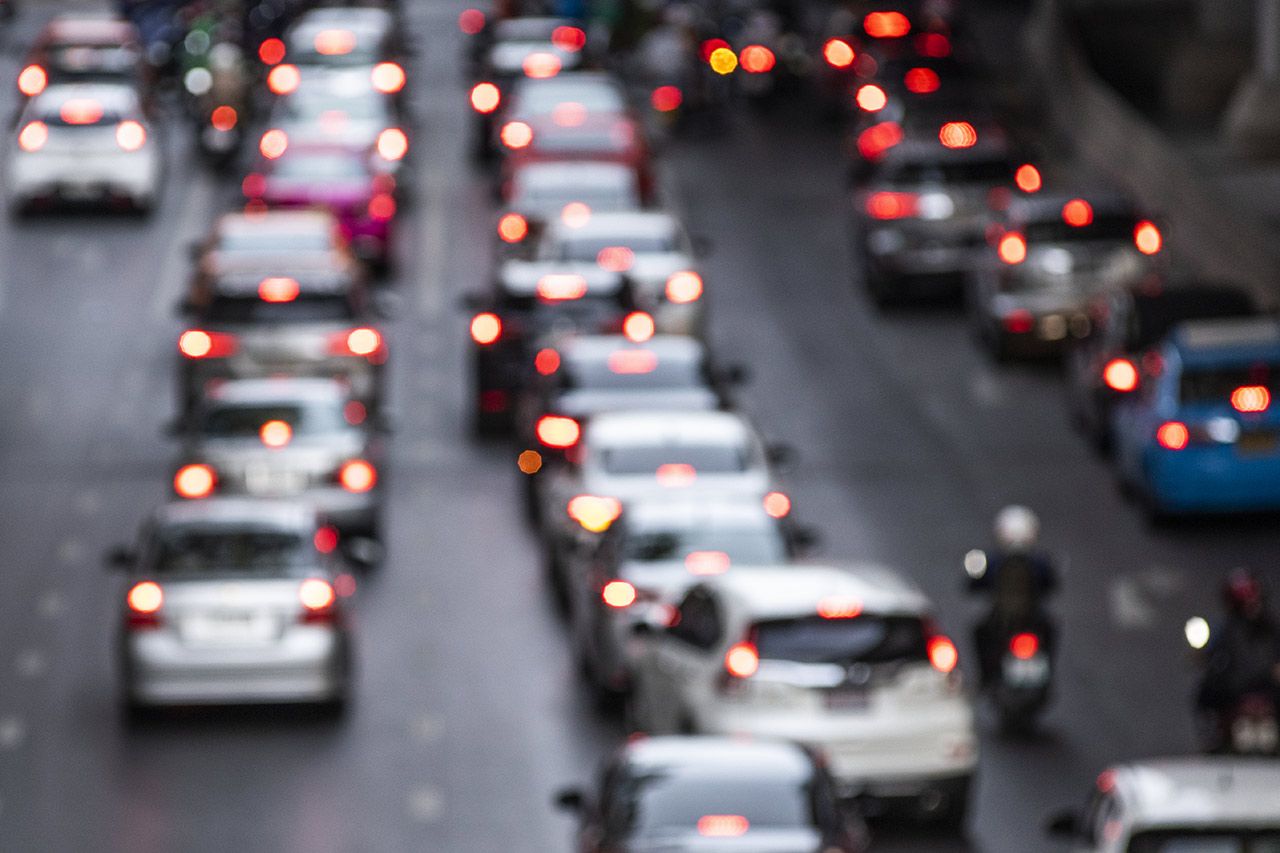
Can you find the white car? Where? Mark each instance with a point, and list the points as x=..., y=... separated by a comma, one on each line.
x=85, y=143
x=1196, y=804
x=652, y=247
x=845, y=660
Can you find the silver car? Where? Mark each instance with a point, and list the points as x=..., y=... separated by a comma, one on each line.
x=233, y=601
x=83, y=143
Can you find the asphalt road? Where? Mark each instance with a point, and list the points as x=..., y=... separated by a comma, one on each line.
x=468, y=713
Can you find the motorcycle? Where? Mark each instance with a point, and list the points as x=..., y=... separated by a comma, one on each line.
x=1248, y=725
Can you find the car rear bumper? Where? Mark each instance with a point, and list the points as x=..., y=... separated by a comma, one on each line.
x=85, y=179
x=1213, y=479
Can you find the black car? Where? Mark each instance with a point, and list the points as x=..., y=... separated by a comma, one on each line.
x=1124, y=326
x=529, y=300
x=675, y=794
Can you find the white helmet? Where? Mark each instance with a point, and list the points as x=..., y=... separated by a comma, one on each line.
x=1016, y=528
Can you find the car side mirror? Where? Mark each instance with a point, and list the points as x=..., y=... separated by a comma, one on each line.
x=119, y=558
x=735, y=374
x=1065, y=825
x=702, y=245
x=385, y=422
x=570, y=800
x=781, y=455
x=806, y=540
x=185, y=308
x=364, y=552
x=472, y=302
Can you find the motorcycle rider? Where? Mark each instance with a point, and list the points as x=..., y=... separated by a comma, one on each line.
x=1018, y=577
x=1243, y=653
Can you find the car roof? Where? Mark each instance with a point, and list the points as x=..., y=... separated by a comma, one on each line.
x=291, y=221
x=571, y=80
x=113, y=97
x=590, y=174
x=103, y=28
x=718, y=757
x=1198, y=791
x=796, y=590
x=1250, y=337
x=520, y=278
x=278, y=390
x=598, y=348
x=647, y=428
x=528, y=28
x=666, y=513
x=635, y=223
x=231, y=512
x=364, y=21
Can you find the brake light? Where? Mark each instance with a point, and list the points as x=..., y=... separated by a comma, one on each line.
x=575, y=214
x=942, y=653
x=80, y=111
x=387, y=77
x=674, y=475
x=1012, y=248
x=933, y=45
x=871, y=98
x=382, y=207
x=1024, y=646
x=839, y=607
x=354, y=412
x=757, y=59
x=197, y=343
x=879, y=138
x=485, y=98
x=486, y=328
x=318, y=598
x=1077, y=213
x=742, y=660
x=33, y=136
x=1120, y=374
x=541, y=65
x=1147, y=237
x=921, y=81
x=666, y=99
x=618, y=594
x=1028, y=178
x=569, y=114
x=362, y=341
x=594, y=513
x=253, y=185
x=271, y=51
x=886, y=25
x=722, y=825
x=710, y=46
x=892, y=205
x=278, y=289
x=223, y=118
x=273, y=143
x=958, y=134
x=627, y=362
x=471, y=21
x=569, y=39
x=561, y=287
x=275, y=434
x=145, y=599
x=283, y=79
x=615, y=258
x=393, y=144
x=334, y=42
x=558, y=432
x=1251, y=398
x=684, y=287
x=130, y=135
x=638, y=327
x=326, y=539
x=512, y=228
x=777, y=505
x=838, y=53
x=32, y=80
x=516, y=135
x=706, y=562
x=546, y=362
x=194, y=481
x=1173, y=435
x=357, y=476
x=1018, y=321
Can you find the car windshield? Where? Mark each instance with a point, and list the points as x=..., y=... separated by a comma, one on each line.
x=334, y=47
x=589, y=248
x=588, y=140
x=744, y=544
x=306, y=308
x=862, y=639
x=543, y=98
x=270, y=241
x=666, y=803
x=1218, y=384
x=246, y=420
x=631, y=370
x=1206, y=841
x=701, y=458
x=204, y=550
x=1111, y=229
x=1153, y=317
x=320, y=168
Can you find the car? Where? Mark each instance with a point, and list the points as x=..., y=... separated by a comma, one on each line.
x=255, y=327
x=647, y=559
x=1202, y=434
x=85, y=143
x=617, y=457
x=713, y=793
x=572, y=191
x=344, y=37
x=1051, y=253
x=530, y=299
x=361, y=198
x=652, y=248
x=233, y=601
x=922, y=216
x=844, y=659
x=303, y=439
x=257, y=244
x=1124, y=325
x=603, y=137
x=569, y=96
x=83, y=47
x=1162, y=805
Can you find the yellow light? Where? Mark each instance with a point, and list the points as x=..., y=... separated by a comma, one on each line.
x=723, y=60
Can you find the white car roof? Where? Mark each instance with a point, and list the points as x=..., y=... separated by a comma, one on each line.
x=794, y=591
x=279, y=390
x=719, y=757
x=233, y=511
x=1199, y=791
x=644, y=429
x=119, y=98
x=575, y=173
x=665, y=513
x=598, y=348
x=292, y=221
x=634, y=223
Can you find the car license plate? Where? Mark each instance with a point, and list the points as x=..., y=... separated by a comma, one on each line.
x=1257, y=442
x=1028, y=672
x=848, y=699
x=228, y=628
x=265, y=481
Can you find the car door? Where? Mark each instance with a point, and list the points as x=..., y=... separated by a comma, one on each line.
x=684, y=662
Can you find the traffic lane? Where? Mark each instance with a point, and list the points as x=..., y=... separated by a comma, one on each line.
x=910, y=440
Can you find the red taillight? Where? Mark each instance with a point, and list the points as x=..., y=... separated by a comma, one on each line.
x=722, y=825
x=618, y=594
x=879, y=138
x=638, y=327
x=1251, y=399
x=485, y=98
x=757, y=59
x=1173, y=435
x=777, y=505
x=541, y=65
x=675, y=475
x=273, y=144
x=1120, y=374
x=742, y=660
x=32, y=80
x=921, y=81
x=871, y=98
x=575, y=214
x=362, y=341
x=1077, y=213
x=387, y=77
x=275, y=434
x=81, y=111
x=471, y=21
x=254, y=185
x=1024, y=646
x=561, y=287
x=194, y=481
x=594, y=513
x=710, y=46
x=486, y=328
x=892, y=205
x=318, y=599
x=933, y=45
x=145, y=599
x=569, y=39
x=516, y=135
x=357, y=476
x=666, y=99
x=1028, y=178
x=130, y=135
x=1012, y=248
x=684, y=287
x=838, y=53
x=546, y=362
x=840, y=607
x=615, y=258
x=271, y=51
x=886, y=25
x=197, y=343
x=223, y=118
x=1018, y=322
x=707, y=562
x=958, y=134
x=326, y=539
x=33, y=136
x=393, y=144
x=382, y=207
x=1147, y=237
x=283, y=79
x=558, y=432
x=278, y=289
x=512, y=228
x=942, y=653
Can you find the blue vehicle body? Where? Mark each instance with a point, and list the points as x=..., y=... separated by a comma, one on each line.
x=1216, y=395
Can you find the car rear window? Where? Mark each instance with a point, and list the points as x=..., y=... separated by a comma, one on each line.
x=631, y=370
x=669, y=803
x=1206, y=841
x=1113, y=229
x=201, y=551
x=268, y=241
x=611, y=140
x=1216, y=385
x=306, y=308
x=539, y=99
x=598, y=198
x=862, y=639
x=245, y=421
x=702, y=458
x=744, y=545
x=320, y=167
x=1154, y=316
x=80, y=112
x=589, y=248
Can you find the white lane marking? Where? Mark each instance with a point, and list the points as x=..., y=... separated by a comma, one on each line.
x=427, y=728
x=431, y=250
x=425, y=805
x=51, y=604
x=31, y=663
x=70, y=551
x=176, y=263
x=12, y=733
